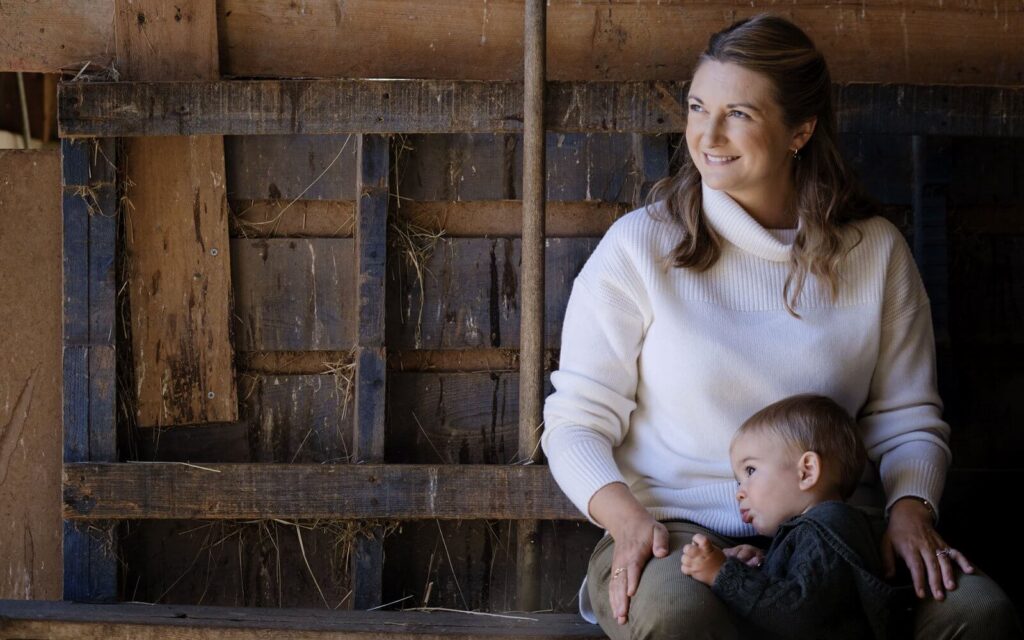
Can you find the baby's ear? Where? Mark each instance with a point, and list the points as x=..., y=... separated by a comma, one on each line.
x=809, y=468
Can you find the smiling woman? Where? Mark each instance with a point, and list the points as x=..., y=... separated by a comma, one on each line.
x=784, y=282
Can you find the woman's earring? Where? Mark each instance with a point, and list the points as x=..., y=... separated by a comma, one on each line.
x=796, y=154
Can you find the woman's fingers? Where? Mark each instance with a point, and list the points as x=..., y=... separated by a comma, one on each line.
x=961, y=559
x=933, y=572
x=661, y=540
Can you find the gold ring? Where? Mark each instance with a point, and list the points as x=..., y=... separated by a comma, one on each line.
x=618, y=572
x=944, y=553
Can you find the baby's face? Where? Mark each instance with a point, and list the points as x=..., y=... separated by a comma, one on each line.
x=768, y=472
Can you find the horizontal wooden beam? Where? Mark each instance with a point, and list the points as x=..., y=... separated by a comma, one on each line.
x=175, y=490
x=266, y=107
x=24, y=619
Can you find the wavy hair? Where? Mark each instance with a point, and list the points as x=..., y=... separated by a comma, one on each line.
x=827, y=195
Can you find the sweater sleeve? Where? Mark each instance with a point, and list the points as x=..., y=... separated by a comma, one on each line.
x=794, y=596
x=587, y=416
x=902, y=420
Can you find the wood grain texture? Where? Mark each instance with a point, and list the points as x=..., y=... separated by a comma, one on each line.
x=932, y=41
x=177, y=242
x=60, y=621
x=292, y=219
x=273, y=107
x=30, y=380
x=89, y=381
x=470, y=294
x=294, y=294
x=50, y=35
x=309, y=491
x=504, y=218
x=286, y=168
x=937, y=41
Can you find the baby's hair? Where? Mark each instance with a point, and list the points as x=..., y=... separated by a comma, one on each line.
x=815, y=423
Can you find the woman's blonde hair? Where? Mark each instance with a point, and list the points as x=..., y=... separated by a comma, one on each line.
x=827, y=194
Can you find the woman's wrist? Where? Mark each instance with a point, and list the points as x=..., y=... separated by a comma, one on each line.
x=916, y=505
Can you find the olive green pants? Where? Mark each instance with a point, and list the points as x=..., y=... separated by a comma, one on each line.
x=670, y=605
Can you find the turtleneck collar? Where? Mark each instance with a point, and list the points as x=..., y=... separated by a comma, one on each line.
x=733, y=223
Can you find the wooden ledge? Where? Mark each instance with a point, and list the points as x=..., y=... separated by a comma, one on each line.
x=176, y=490
x=38, y=620
x=321, y=106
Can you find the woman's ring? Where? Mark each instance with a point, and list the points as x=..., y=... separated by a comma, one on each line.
x=944, y=553
x=618, y=572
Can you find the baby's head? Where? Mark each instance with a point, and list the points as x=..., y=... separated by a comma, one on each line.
x=792, y=455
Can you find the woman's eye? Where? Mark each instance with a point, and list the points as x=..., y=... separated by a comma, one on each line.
x=696, y=108
x=738, y=114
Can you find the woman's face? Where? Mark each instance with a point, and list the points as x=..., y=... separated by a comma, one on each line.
x=736, y=135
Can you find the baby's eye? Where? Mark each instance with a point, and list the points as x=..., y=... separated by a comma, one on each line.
x=749, y=471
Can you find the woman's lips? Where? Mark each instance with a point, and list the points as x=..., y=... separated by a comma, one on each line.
x=718, y=160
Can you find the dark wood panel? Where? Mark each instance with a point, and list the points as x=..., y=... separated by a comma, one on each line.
x=275, y=107
x=34, y=619
x=285, y=418
x=294, y=294
x=330, y=491
x=292, y=219
x=470, y=293
x=285, y=167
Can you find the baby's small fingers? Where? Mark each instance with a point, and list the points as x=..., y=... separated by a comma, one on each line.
x=700, y=539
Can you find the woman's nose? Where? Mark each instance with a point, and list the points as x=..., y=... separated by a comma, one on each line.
x=714, y=131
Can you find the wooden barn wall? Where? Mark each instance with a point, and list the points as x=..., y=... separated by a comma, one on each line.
x=924, y=41
x=452, y=335
x=31, y=448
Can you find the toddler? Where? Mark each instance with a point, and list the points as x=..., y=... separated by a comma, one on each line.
x=796, y=461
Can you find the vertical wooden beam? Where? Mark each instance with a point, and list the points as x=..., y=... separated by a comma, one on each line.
x=371, y=253
x=179, y=269
x=531, y=368
x=90, y=207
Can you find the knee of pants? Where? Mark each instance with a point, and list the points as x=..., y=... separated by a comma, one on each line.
x=979, y=608
x=669, y=605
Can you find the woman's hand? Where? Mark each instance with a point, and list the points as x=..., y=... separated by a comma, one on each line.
x=748, y=554
x=637, y=537
x=912, y=535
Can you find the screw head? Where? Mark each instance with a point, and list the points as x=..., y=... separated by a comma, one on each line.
x=214, y=252
x=211, y=395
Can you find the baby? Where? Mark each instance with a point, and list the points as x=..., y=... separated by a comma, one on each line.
x=796, y=461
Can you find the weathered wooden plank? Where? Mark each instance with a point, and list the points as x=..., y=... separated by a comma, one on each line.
x=294, y=294
x=294, y=362
x=61, y=620
x=289, y=167
x=53, y=34
x=30, y=379
x=179, y=270
x=504, y=218
x=293, y=219
x=469, y=296
x=462, y=360
x=269, y=107
x=309, y=491
x=89, y=380
x=374, y=162
x=959, y=42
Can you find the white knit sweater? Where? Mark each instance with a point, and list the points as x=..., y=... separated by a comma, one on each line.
x=660, y=365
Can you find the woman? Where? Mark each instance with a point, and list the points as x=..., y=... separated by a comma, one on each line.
x=759, y=273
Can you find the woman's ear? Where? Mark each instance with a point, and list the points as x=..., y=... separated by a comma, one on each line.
x=809, y=469
x=803, y=133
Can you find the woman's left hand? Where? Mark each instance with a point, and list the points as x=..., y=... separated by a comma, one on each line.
x=912, y=535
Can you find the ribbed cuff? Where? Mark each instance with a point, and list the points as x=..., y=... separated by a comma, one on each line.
x=581, y=462
x=914, y=469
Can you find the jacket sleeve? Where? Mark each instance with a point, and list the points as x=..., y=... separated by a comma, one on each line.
x=902, y=420
x=793, y=596
x=587, y=416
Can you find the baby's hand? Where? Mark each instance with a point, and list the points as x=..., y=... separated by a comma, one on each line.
x=702, y=560
x=748, y=554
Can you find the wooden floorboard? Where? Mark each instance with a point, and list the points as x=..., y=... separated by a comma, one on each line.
x=23, y=620
x=319, y=106
x=176, y=490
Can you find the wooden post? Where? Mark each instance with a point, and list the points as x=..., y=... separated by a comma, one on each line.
x=90, y=208
x=179, y=266
x=371, y=253
x=531, y=368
